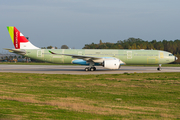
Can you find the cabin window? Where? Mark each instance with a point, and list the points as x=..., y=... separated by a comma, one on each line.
x=170, y=54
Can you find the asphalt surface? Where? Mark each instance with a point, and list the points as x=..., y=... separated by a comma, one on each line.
x=71, y=69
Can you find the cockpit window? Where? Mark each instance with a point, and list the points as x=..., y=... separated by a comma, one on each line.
x=170, y=54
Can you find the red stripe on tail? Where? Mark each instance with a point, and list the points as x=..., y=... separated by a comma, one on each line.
x=18, y=38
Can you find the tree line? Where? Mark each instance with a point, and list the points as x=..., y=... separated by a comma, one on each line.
x=137, y=43
x=51, y=47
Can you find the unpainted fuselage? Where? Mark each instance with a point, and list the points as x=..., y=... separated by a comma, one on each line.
x=127, y=56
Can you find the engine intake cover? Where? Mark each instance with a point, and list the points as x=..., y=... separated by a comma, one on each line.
x=112, y=64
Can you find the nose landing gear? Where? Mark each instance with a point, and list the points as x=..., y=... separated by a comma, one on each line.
x=159, y=68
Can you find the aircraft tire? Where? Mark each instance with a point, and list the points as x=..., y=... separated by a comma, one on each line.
x=159, y=69
x=86, y=69
x=92, y=69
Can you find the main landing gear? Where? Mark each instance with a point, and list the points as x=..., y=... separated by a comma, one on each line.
x=90, y=69
x=159, y=68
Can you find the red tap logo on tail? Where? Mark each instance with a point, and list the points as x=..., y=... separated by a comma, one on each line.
x=18, y=39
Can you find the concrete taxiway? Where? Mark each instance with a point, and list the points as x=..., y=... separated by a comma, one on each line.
x=71, y=69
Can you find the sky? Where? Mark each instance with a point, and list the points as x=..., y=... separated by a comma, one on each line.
x=78, y=22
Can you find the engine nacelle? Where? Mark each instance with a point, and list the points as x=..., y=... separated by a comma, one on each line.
x=112, y=64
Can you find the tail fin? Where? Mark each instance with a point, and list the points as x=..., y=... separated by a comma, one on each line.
x=18, y=39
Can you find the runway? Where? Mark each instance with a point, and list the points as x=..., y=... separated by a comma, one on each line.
x=72, y=69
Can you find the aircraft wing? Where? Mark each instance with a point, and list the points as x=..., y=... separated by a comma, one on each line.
x=90, y=58
x=86, y=58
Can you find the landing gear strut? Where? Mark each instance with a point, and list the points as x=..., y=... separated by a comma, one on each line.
x=90, y=69
x=159, y=68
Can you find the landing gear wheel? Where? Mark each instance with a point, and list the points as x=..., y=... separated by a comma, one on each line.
x=92, y=68
x=86, y=69
x=159, y=69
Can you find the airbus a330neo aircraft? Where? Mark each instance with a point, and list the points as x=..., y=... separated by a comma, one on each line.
x=108, y=58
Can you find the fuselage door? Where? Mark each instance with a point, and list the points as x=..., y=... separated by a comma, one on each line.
x=40, y=53
x=129, y=54
x=80, y=53
x=161, y=54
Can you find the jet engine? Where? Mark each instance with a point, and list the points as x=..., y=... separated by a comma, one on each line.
x=112, y=64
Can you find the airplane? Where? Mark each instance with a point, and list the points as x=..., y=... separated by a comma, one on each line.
x=108, y=58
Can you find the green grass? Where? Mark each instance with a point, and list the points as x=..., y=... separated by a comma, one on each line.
x=116, y=96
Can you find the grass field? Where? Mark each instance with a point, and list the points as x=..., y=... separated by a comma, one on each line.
x=118, y=96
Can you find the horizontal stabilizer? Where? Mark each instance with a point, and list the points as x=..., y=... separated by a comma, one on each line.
x=22, y=52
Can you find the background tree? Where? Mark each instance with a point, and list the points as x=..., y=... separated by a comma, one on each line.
x=100, y=42
x=133, y=46
x=64, y=47
x=49, y=47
